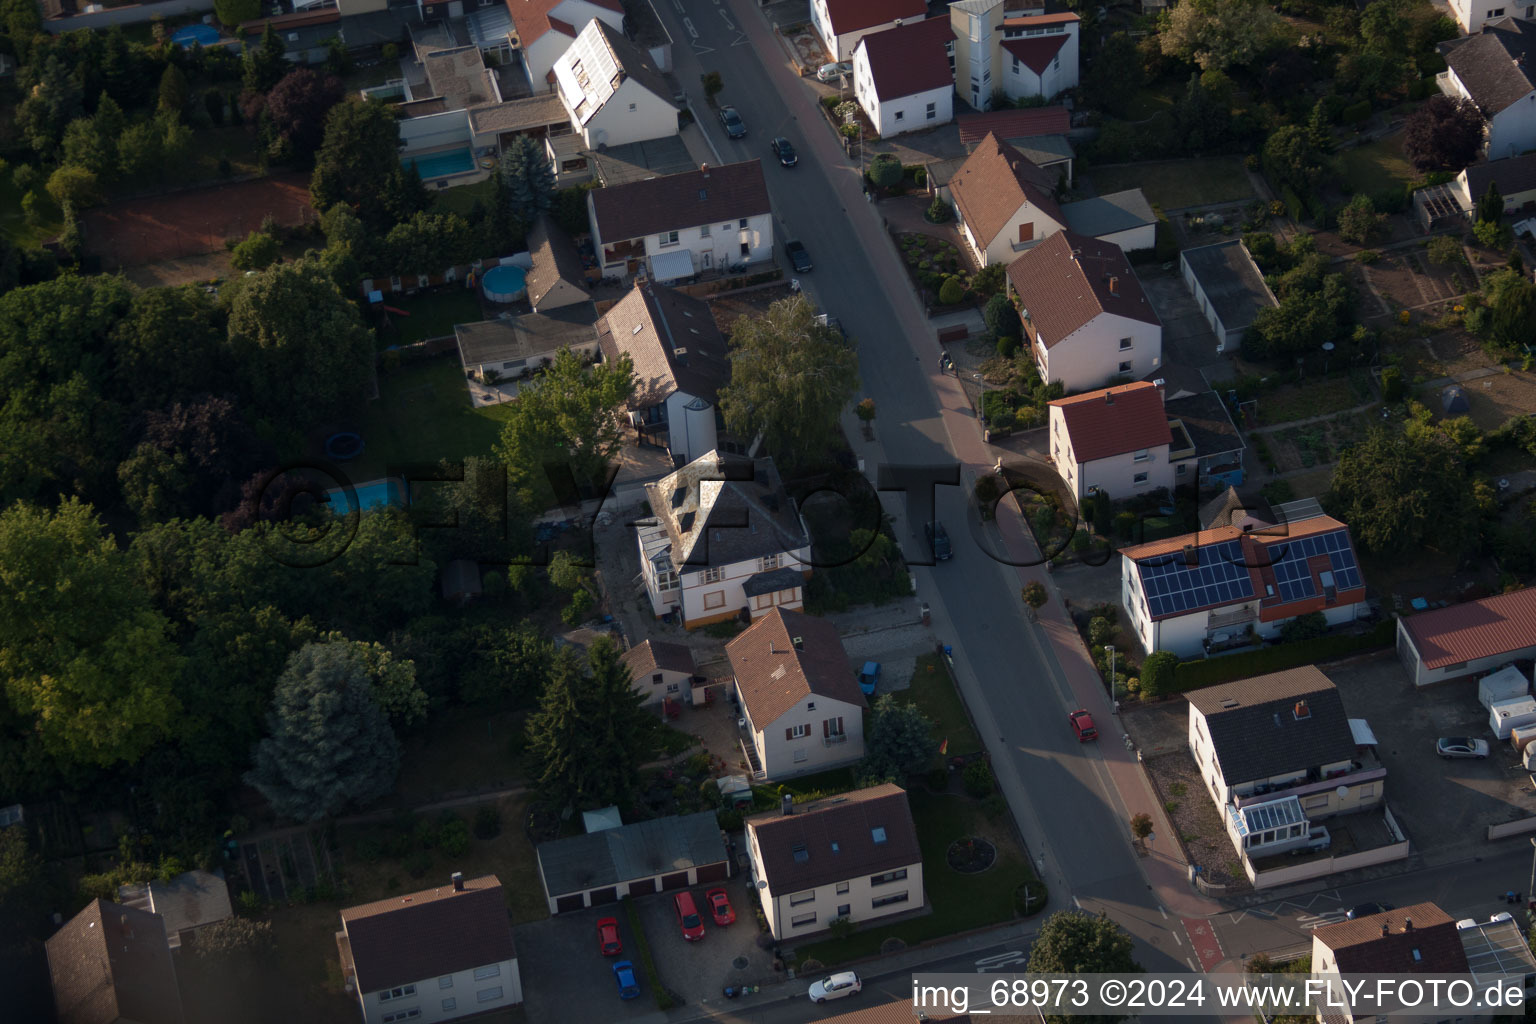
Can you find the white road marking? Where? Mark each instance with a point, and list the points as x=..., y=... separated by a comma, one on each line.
x=1160, y=910
x=999, y=961
x=725, y=14
x=693, y=33
x=741, y=40
x=1177, y=939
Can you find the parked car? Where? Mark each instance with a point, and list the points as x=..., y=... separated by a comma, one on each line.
x=688, y=918
x=720, y=907
x=784, y=151
x=608, y=941
x=836, y=986
x=1461, y=746
x=1082, y=725
x=1367, y=910
x=624, y=975
x=735, y=127
x=827, y=72
x=798, y=257
x=869, y=678
x=938, y=541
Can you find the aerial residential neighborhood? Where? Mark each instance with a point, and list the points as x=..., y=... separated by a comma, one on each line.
x=543, y=510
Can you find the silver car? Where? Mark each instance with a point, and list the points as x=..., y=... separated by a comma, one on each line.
x=835, y=986
x=1461, y=746
x=829, y=72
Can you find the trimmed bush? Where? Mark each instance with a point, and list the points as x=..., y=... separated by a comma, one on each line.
x=1192, y=675
x=952, y=291
x=978, y=779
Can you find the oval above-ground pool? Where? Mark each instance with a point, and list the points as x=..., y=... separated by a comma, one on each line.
x=503, y=284
x=205, y=35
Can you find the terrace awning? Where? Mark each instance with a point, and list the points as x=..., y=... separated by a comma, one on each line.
x=672, y=266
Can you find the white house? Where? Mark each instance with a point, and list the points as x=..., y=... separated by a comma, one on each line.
x=1206, y=591
x=1124, y=218
x=1494, y=69
x=1469, y=638
x=1471, y=15
x=542, y=30
x=1003, y=202
x=1421, y=939
x=1086, y=319
x=677, y=225
x=1014, y=47
x=1228, y=287
x=1514, y=177
x=1115, y=440
x=661, y=671
x=723, y=538
x=439, y=954
x=614, y=94
x=1277, y=753
x=842, y=23
x=853, y=857
x=903, y=77
x=681, y=362
x=802, y=709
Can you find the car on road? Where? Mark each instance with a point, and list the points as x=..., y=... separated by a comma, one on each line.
x=688, y=918
x=828, y=72
x=720, y=907
x=608, y=941
x=798, y=257
x=785, y=151
x=1367, y=909
x=1082, y=725
x=835, y=986
x=1461, y=746
x=735, y=127
x=938, y=541
x=624, y=976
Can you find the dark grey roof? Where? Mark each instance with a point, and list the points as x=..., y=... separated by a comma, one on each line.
x=1513, y=175
x=720, y=509
x=772, y=582
x=1206, y=419
x=1496, y=65
x=1254, y=730
x=1045, y=150
x=640, y=161
x=556, y=265
x=1105, y=215
x=940, y=171
x=617, y=855
x=1231, y=282
x=527, y=337
x=518, y=115
x=375, y=28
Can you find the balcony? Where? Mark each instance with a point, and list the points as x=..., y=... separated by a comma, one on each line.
x=1236, y=617
x=1365, y=768
x=828, y=741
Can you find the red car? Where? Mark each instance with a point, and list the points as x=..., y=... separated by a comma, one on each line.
x=688, y=918
x=608, y=941
x=1082, y=724
x=720, y=907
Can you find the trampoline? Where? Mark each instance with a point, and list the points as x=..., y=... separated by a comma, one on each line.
x=343, y=446
x=503, y=284
x=205, y=35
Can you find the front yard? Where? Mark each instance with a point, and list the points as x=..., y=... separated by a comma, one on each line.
x=1177, y=184
x=933, y=691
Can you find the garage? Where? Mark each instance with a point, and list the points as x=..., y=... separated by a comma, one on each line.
x=1468, y=639
x=645, y=857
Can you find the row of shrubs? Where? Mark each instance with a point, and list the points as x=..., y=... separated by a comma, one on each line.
x=1193, y=675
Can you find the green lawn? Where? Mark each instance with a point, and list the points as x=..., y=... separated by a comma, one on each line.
x=14, y=226
x=461, y=750
x=431, y=316
x=960, y=902
x=1152, y=99
x=1315, y=397
x=1375, y=167
x=934, y=692
x=423, y=415
x=462, y=198
x=1176, y=184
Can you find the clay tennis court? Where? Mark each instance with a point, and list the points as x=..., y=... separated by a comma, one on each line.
x=139, y=231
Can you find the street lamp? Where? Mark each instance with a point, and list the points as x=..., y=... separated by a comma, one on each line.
x=1110, y=649
x=1327, y=348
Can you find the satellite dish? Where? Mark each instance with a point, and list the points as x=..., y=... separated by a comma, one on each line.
x=762, y=884
x=1343, y=792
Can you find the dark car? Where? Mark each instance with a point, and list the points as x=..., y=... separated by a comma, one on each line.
x=798, y=257
x=784, y=151
x=938, y=541
x=735, y=127
x=1367, y=909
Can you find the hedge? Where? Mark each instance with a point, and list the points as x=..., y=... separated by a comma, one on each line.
x=665, y=1000
x=1356, y=112
x=1192, y=675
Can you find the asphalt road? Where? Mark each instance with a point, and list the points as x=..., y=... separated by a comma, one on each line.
x=1058, y=789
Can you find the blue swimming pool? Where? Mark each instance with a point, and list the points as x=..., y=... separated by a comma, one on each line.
x=370, y=496
x=206, y=35
x=443, y=165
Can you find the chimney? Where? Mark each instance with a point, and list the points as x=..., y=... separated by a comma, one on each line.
x=704, y=169
x=799, y=643
x=1407, y=924
x=1302, y=711
x=127, y=927
x=1385, y=929
x=1114, y=286
x=787, y=805
x=458, y=881
x=1109, y=397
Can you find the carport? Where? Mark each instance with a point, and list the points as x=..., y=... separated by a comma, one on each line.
x=632, y=860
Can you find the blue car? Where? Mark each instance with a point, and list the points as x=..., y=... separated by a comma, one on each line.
x=624, y=974
x=869, y=677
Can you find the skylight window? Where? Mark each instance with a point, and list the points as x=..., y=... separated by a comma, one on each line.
x=878, y=834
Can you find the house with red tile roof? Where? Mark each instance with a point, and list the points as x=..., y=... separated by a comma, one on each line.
x=1004, y=202
x=842, y=23
x=1204, y=591
x=1115, y=440
x=1020, y=48
x=542, y=30
x=1469, y=638
x=902, y=78
x=1086, y=318
x=438, y=954
x=1421, y=939
x=112, y=963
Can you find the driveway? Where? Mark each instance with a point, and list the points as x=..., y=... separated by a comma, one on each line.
x=700, y=971
x=564, y=976
x=1187, y=337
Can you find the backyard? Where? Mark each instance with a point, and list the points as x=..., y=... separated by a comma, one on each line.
x=423, y=415
x=1177, y=184
x=1375, y=167
x=428, y=315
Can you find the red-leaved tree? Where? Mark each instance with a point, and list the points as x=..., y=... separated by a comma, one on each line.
x=1443, y=134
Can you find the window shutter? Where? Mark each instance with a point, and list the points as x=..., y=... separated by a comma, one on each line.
x=789, y=732
x=839, y=725
x=826, y=727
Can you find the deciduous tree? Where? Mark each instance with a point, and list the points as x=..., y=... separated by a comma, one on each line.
x=1219, y=34
x=54, y=102
x=898, y=741
x=1359, y=222
x=1115, y=76
x=232, y=12
x=359, y=162
x=790, y=379
x=1399, y=495
x=298, y=105
x=1443, y=134
x=1072, y=942
x=330, y=745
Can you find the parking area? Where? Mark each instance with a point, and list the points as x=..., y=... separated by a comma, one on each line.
x=1187, y=338
x=575, y=982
